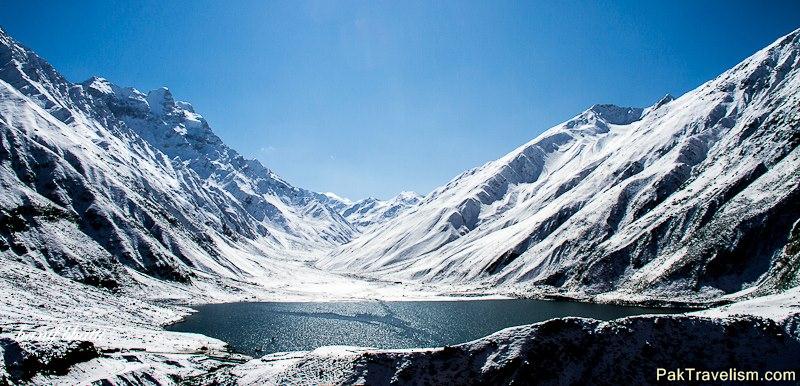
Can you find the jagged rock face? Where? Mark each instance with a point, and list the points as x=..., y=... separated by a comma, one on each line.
x=98, y=179
x=22, y=360
x=692, y=196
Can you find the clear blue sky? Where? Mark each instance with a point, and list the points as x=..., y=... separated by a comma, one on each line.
x=371, y=98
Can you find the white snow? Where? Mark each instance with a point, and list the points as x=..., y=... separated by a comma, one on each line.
x=612, y=202
x=371, y=212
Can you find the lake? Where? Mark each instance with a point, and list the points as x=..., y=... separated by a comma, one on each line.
x=256, y=329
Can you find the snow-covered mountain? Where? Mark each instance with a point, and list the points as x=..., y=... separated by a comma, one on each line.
x=695, y=196
x=335, y=201
x=372, y=211
x=100, y=182
x=691, y=196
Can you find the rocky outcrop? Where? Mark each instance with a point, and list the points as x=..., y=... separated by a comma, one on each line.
x=556, y=352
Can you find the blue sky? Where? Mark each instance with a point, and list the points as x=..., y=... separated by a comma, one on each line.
x=372, y=98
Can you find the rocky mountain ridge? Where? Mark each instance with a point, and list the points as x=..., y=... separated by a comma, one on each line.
x=98, y=179
x=693, y=198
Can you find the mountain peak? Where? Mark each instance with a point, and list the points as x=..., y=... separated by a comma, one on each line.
x=339, y=198
x=666, y=99
x=99, y=84
x=616, y=115
x=661, y=102
x=160, y=101
x=408, y=195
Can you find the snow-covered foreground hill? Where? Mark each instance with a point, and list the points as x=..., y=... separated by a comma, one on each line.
x=567, y=351
x=693, y=198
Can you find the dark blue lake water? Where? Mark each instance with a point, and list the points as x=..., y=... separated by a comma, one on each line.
x=259, y=328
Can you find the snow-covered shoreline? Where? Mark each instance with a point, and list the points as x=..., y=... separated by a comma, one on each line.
x=135, y=333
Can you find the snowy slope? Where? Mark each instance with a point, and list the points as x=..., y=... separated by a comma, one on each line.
x=98, y=180
x=372, y=211
x=336, y=202
x=696, y=196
